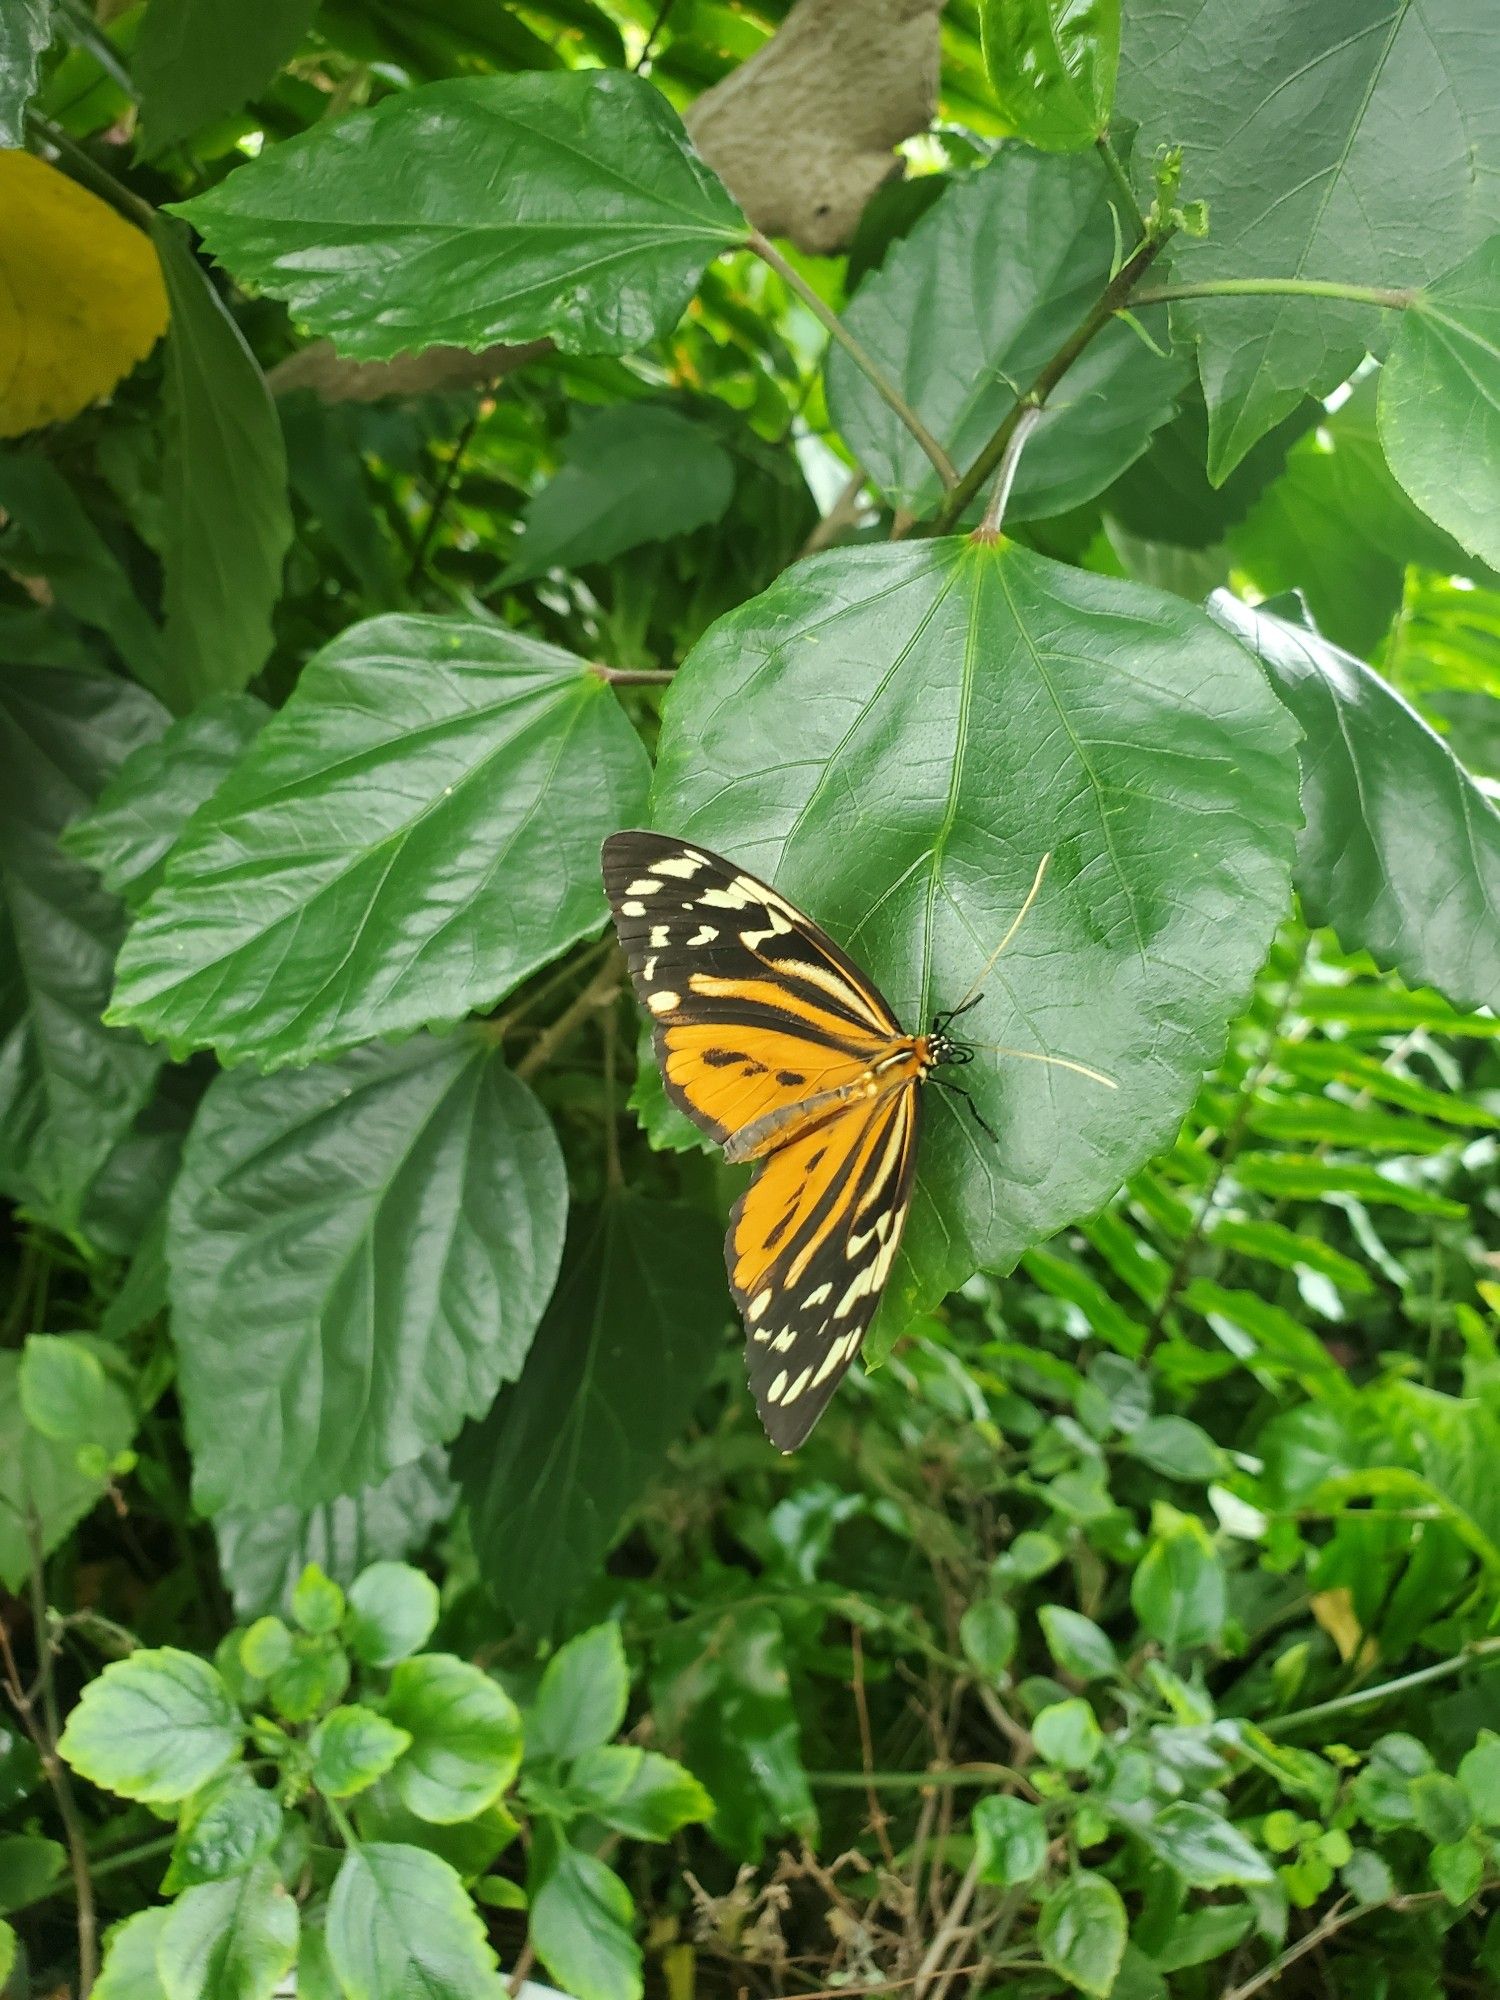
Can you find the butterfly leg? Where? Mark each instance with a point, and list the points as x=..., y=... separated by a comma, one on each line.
x=978, y=1116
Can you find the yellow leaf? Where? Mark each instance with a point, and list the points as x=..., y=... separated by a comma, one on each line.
x=1334, y=1611
x=81, y=296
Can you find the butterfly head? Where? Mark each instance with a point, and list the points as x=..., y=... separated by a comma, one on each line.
x=941, y=1047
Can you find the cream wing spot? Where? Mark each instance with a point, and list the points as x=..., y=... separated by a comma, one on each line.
x=632, y=909
x=705, y=934
x=818, y=1298
x=644, y=885
x=683, y=866
x=758, y=1304
x=660, y=936
x=798, y=1386
x=773, y=1394
x=664, y=1003
x=785, y=1339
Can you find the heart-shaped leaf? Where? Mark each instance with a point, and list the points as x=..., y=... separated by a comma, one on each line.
x=360, y=1254
x=482, y=209
x=411, y=835
x=962, y=710
x=963, y=314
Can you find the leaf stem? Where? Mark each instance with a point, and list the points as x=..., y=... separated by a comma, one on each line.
x=441, y=497
x=1479, y=1649
x=863, y=360
x=1337, y=1919
x=1121, y=180
x=599, y=992
x=994, y=514
x=1116, y=294
x=631, y=676
x=914, y=1781
x=99, y=180
x=1271, y=288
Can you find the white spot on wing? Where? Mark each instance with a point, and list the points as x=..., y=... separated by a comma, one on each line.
x=659, y=936
x=705, y=934
x=798, y=1386
x=732, y=898
x=773, y=1394
x=648, y=970
x=663, y=1003
x=758, y=1304
x=647, y=885
x=824, y=1291
x=683, y=866
x=632, y=909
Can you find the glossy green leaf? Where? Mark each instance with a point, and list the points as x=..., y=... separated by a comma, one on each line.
x=126, y=835
x=465, y=1737
x=1052, y=66
x=262, y=1553
x=988, y=1631
x=1354, y=143
x=1014, y=708
x=1401, y=850
x=1479, y=1774
x=30, y=1866
x=359, y=1254
x=638, y=1793
x=632, y=473
x=1178, y=1590
x=580, y=1702
x=400, y=1923
x=1203, y=1848
x=1167, y=496
x=70, y=1089
x=392, y=1610
x=25, y=31
x=1177, y=1448
x=312, y=1680
x=1067, y=1735
x=1440, y=402
x=551, y=1473
x=37, y=1476
x=48, y=534
x=963, y=314
x=1082, y=1932
x=225, y=1828
x=1298, y=1177
x=317, y=1601
x=581, y=1915
x=1010, y=1841
x=154, y=1726
x=129, y=1969
x=371, y=864
x=567, y=204
x=197, y=61
x=353, y=1747
x=1077, y=1644
x=67, y=1395
x=230, y=1940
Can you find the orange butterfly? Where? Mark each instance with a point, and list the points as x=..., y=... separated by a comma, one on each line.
x=778, y=1046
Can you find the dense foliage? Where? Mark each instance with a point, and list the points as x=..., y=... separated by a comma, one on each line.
x=423, y=460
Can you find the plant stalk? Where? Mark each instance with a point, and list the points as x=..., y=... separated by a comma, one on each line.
x=994, y=514
x=1395, y=298
x=1362, y=1697
x=860, y=355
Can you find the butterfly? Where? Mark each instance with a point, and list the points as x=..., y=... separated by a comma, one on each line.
x=774, y=1042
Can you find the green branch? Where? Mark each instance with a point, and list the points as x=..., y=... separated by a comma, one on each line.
x=1275, y=288
x=860, y=355
x=1480, y=1649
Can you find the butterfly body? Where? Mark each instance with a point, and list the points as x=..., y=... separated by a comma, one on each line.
x=778, y=1046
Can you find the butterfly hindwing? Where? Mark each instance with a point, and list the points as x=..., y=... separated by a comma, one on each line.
x=773, y=1041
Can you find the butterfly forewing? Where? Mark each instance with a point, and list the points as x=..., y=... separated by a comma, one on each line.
x=774, y=1042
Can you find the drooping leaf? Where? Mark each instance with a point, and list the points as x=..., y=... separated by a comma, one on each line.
x=81, y=299
x=49, y=535
x=263, y=1553
x=465, y=1737
x=69, y=1087
x=581, y=1915
x=411, y=835
x=154, y=1726
x=197, y=61
x=633, y=473
x=567, y=204
x=399, y=1922
x=127, y=833
x=25, y=30
x=1083, y=1931
x=1052, y=66
x=963, y=314
x=229, y=1940
x=629, y=1339
x=40, y=1479
x=1400, y=853
x=1440, y=402
x=1354, y=143
x=1013, y=708
x=226, y=518
x=359, y=1255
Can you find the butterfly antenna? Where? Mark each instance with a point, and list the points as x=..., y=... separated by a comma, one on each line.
x=1057, y=1062
x=985, y=970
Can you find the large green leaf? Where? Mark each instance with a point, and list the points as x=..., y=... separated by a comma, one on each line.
x=581, y=1917
x=1355, y=141
x=634, y=473
x=1052, y=66
x=962, y=710
x=1401, y=849
x=1167, y=496
x=231, y=1940
x=154, y=1726
x=263, y=1554
x=198, y=61
x=226, y=520
x=69, y=1087
x=1336, y=527
x=631, y=1335
x=359, y=1256
x=414, y=832
x=126, y=835
x=48, y=534
x=485, y=209
x=400, y=1923
x=25, y=30
x=1440, y=402
x=963, y=314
